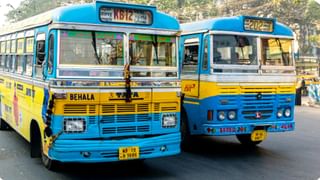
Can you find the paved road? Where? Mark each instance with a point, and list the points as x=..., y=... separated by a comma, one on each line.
x=294, y=155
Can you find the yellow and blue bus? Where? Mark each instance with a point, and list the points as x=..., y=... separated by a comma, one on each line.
x=238, y=78
x=93, y=83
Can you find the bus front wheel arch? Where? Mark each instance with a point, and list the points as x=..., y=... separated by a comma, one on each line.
x=4, y=125
x=36, y=147
x=184, y=129
x=35, y=140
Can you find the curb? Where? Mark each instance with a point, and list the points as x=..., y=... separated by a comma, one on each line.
x=308, y=104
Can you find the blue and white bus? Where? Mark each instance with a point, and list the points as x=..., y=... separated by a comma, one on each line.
x=238, y=78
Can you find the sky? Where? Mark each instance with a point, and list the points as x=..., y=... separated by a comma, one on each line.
x=4, y=8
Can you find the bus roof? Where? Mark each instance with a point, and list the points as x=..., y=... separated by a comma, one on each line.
x=234, y=24
x=90, y=14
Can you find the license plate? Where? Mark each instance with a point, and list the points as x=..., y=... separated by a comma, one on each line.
x=258, y=135
x=127, y=153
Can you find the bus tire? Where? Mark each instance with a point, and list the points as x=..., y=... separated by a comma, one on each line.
x=3, y=125
x=50, y=164
x=245, y=139
x=184, y=129
x=35, y=140
x=36, y=147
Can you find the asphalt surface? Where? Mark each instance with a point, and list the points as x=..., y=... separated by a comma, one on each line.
x=291, y=155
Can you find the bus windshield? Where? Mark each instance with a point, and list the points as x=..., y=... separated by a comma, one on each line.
x=235, y=50
x=91, y=48
x=277, y=52
x=152, y=50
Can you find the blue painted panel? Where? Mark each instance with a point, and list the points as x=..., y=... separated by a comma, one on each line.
x=246, y=107
x=234, y=24
x=117, y=126
x=107, y=150
x=89, y=14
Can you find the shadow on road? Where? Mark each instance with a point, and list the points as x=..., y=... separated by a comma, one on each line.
x=118, y=170
x=223, y=147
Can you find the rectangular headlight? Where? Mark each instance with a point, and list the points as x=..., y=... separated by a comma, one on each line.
x=74, y=125
x=169, y=120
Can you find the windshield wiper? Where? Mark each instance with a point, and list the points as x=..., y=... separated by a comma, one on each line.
x=155, y=45
x=94, y=45
x=284, y=58
x=240, y=45
x=127, y=76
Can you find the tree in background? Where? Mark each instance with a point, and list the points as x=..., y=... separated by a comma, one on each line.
x=301, y=15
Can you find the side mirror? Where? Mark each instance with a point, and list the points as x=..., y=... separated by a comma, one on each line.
x=40, y=52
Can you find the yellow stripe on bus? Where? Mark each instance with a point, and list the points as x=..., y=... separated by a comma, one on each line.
x=208, y=89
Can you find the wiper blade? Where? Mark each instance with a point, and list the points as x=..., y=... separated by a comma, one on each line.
x=240, y=45
x=127, y=77
x=284, y=58
x=94, y=45
x=155, y=45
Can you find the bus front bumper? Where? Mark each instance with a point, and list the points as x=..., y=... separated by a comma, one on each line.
x=93, y=151
x=247, y=128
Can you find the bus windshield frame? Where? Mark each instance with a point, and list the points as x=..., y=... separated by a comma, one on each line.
x=249, y=53
x=97, y=54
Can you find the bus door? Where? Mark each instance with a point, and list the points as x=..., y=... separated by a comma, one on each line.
x=191, y=67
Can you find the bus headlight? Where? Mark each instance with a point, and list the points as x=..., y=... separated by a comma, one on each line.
x=232, y=115
x=280, y=113
x=74, y=125
x=221, y=115
x=169, y=121
x=287, y=112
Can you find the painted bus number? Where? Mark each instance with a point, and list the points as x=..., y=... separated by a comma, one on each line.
x=123, y=15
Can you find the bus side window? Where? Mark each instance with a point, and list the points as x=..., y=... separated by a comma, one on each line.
x=40, y=55
x=190, y=57
x=51, y=54
x=2, y=59
x=10, y=61
x=205, y=56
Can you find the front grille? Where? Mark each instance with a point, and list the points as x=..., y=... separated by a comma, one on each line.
x=156, y=107
x=79, y=109
x=138, y=108
x=92, y=120
x=251, y=90
x=117, y=125
x=126, y=129
x=73, y=109
x=124, y=108
x=125, y=118
x=252, y=105
x=156, y=117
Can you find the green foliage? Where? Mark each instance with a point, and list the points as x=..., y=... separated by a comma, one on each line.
x=29, y=8
x=313, y=11
x=301, y=15
x=315, y=39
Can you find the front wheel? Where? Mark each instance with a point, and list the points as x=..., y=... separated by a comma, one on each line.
x=245, y=139
x=49, y=163
x=185, y=133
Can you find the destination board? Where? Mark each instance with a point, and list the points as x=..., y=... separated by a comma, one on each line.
x=122, y=15
x=262, y=25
